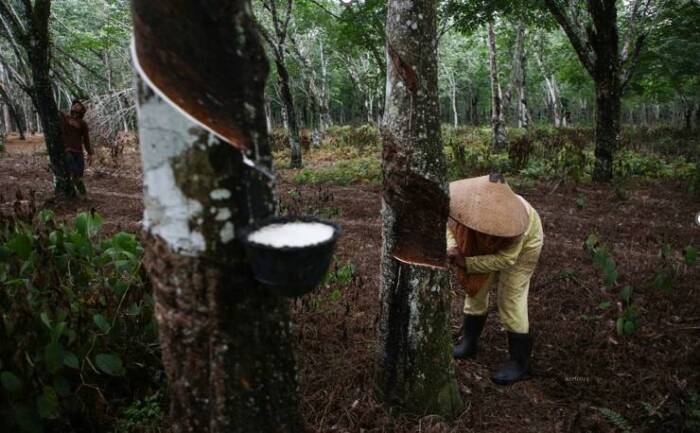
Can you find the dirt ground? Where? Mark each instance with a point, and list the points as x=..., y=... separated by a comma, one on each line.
x=580, y=362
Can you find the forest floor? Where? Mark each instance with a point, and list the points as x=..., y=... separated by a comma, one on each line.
x=582, y=366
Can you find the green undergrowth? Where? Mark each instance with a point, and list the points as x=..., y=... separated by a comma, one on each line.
x=348, y=154
x=343, y=172
x=77, y=325
x=672, y=266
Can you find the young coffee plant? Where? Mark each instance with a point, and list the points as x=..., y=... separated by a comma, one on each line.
x=76, y=321
x=671, y=268
x=627, y=321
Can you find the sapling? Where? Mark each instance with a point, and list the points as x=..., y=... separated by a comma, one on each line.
x=627, y=322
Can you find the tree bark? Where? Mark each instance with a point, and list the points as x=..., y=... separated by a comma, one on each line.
x=324, y=106
x=38, y=51
x=415, y=367
x=553, y=96
x=608, y=89
x=278, y=45
x=226, y=341
x=498, y=124
x=519, y=75
x=474, y=102
x=452, y=80
x=12, y=114
x=290, y=113
x=607, y=130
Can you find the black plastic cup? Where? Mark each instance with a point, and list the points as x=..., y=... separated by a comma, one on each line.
x=289, y=271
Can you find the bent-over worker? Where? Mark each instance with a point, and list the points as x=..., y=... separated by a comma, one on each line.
x=494, y=238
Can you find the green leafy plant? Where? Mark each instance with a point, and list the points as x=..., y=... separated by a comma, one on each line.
x=77, y=322
x=142, y=416
x=627, y=322
x=671, y=266
x=337, y=278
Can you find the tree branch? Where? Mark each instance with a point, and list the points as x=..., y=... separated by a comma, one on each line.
x=13, y=21
x=571, y=27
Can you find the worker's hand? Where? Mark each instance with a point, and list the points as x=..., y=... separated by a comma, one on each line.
x=89, y=159
x=454, y=258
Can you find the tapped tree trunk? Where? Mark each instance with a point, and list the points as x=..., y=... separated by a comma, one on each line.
x=225, y=339
x=415, y=368
x=226, y=343
x=498, y=123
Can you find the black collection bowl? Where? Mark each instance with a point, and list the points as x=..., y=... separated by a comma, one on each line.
x=289, y=271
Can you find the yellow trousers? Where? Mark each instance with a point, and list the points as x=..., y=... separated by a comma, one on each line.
x=513, y=285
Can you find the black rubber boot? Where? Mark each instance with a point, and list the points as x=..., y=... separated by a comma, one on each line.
x=471, y=330
x=518, y=367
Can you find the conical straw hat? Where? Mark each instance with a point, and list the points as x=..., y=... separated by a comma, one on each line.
x=488, y=205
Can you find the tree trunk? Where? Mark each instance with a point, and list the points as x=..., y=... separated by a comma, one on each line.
x=455, y=117
x=7, y=119
x=324, y=106
x=226, y=341
x=553, y=95
x=288, y=107
x=42, y=94
x=519, y=71
x=268, y=116
x=688, y=116
x=415, y=366
x=607, y=130
x=497, y=118
x=608, y=90
x=29, y=118
x=11, y=114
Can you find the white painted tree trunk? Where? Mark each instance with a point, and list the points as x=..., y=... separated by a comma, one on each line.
x=225, y=340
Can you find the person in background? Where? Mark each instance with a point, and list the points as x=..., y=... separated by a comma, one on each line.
x=494, y=238
x=76, y=137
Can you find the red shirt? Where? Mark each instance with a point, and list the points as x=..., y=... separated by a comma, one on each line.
x=75, y=134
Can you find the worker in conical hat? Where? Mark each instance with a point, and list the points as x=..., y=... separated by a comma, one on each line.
x=494, y=238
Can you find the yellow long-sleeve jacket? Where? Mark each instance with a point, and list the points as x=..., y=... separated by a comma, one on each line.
x=532, y=239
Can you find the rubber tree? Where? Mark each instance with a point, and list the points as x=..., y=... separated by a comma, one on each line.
x=12, y=113
x=225, y=340
x=518, y=77
x=277, y=40
x=552, y=87
x=415, y=368
x=317, y=86
x=26, y=28
x=594, y=34
x=498, y=122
